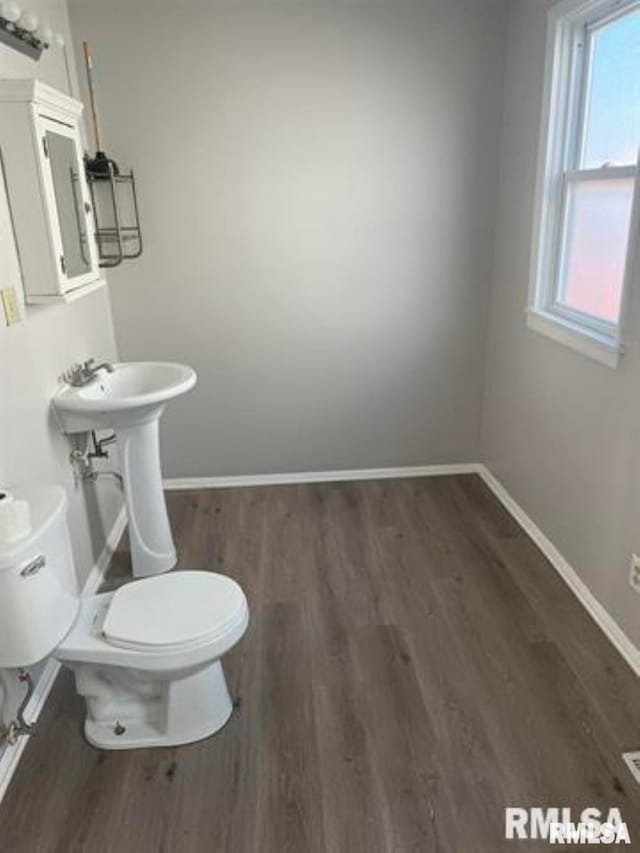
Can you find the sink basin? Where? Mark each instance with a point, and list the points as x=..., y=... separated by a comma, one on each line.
x=130, y=401
x=134, y=393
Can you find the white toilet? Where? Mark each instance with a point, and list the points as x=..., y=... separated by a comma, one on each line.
x=146, y=657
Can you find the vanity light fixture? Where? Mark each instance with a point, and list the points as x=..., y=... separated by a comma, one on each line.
x=28, y=21
x=21, y=30
x=10, y=10
x=44, y=33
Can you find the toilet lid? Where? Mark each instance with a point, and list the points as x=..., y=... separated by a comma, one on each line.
x=173, y=610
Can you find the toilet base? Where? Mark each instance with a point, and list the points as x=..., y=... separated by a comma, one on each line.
x=132, y=710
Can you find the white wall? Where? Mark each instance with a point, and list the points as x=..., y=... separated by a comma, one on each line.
x=560, y=431
x=317, y=190
x=34, y=353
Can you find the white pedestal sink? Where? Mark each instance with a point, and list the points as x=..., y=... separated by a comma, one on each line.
x=130, y=401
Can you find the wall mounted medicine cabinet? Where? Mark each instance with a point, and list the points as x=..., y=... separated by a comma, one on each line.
x=41, y=149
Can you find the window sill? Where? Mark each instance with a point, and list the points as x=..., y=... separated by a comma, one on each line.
x=595, y=346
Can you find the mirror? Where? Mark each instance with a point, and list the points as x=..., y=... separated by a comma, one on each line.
x=64, y=172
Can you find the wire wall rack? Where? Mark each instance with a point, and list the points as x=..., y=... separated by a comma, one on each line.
x=117, y=217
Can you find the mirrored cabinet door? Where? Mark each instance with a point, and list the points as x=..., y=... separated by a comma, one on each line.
x=69, y=204
x=71, y=222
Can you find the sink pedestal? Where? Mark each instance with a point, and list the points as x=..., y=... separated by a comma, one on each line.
x=152, y=547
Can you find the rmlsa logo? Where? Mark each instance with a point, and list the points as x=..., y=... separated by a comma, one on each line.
x=558, y=827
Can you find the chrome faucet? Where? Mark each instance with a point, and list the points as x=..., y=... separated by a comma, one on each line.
x=82, y=374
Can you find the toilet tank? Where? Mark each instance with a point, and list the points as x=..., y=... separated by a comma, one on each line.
x=39, y=597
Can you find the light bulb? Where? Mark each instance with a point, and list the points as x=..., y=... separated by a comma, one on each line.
x=28, y=21
x=10, y=11
x=44, y=33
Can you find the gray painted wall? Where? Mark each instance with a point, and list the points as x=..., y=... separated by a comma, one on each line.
x=560, y=431
x=317, y=184
x=34, y=353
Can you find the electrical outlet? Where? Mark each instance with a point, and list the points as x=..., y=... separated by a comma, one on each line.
x=634, y=577
x=11, y=305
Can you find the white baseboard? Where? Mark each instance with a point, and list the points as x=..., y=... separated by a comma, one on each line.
x=247, y=480
x=598, y=613
x=10, y=757
x=97, y=573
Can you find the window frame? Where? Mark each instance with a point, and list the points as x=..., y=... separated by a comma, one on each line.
x=571, y=25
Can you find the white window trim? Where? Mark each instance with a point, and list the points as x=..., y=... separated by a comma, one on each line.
x=562, y=109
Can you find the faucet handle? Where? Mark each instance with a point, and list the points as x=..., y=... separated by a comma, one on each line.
x=87, y=364
x=76, y=374
x=71, y=372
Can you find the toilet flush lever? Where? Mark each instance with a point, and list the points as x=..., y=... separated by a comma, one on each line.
x=33, y=567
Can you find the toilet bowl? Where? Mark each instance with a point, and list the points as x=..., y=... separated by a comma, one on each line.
x=146, y=657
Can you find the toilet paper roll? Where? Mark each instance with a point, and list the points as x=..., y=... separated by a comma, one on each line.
x=15, y=520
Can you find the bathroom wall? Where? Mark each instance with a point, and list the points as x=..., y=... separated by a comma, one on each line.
x=561, y=432
x=317, y=185
x=34, y=353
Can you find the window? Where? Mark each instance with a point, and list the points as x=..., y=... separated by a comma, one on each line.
x=588, y=185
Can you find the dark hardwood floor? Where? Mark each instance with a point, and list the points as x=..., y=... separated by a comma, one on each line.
x=413, y=665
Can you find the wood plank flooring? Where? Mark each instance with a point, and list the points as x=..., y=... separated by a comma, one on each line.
x=413, y=665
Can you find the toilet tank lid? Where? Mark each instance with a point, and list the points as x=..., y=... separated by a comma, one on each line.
x=46, y=504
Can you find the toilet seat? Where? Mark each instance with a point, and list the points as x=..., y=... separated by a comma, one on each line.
x=173, y=612
x=87, y=643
